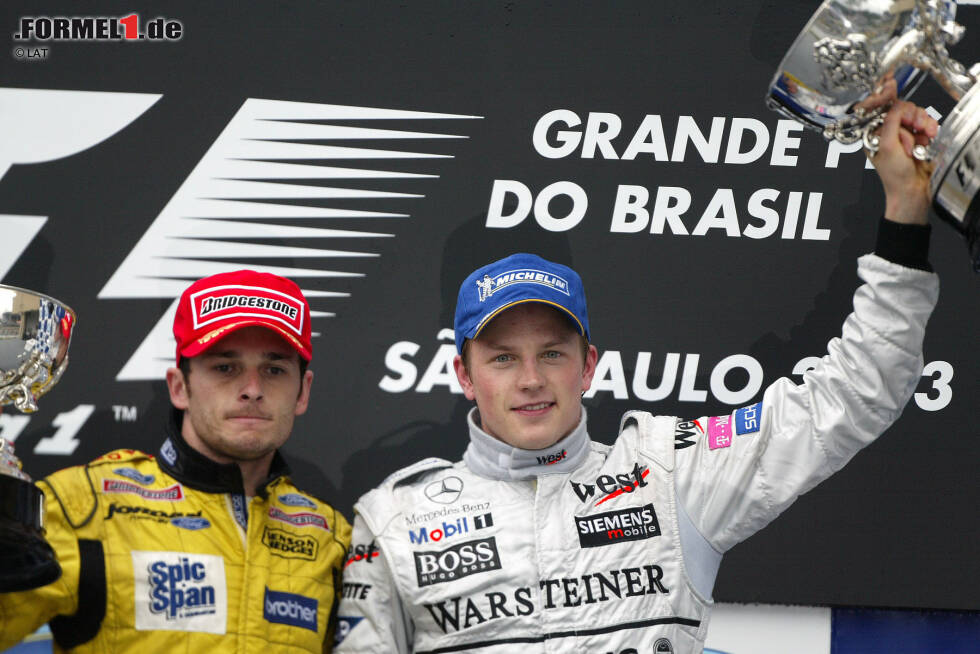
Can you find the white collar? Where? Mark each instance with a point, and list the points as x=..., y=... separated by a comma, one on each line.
x=490, y=457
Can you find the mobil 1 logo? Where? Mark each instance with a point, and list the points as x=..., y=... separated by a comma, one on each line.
x=460, y=560
x=632, y=523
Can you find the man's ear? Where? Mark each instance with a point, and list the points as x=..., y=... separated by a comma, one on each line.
x=591, y=359
x=177, y=385
x=464, y=378
x=303, y=401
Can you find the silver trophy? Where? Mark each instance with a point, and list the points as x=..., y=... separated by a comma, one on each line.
x=846, y=51
x=35, y=331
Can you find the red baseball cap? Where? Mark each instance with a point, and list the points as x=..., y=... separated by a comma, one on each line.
x=216, y=306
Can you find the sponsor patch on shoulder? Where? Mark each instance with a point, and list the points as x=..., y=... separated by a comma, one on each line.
x=295, y=499
x=169, y=494
x=299, y=519
x=719, y=432
x=135, y=475
x=748, y=419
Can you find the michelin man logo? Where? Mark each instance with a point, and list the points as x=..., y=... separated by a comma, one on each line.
x=239, y=191
x=490, y=285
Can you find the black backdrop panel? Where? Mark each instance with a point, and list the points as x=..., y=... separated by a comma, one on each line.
x=245, y=159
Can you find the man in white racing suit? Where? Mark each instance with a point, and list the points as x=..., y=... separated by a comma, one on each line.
x=541, y=540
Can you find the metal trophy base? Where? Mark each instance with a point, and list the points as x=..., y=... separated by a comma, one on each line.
x=955, y=183
x=26, y=559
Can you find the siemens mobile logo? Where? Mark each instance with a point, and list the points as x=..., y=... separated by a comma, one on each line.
x=633, y=523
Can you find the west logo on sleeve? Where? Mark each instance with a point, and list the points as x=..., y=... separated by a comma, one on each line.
x=748, y=419
x=178, y=591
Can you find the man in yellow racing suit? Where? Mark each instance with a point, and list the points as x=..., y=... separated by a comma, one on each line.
x=207, y=546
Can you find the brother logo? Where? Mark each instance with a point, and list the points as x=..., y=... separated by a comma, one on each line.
x=287, y=608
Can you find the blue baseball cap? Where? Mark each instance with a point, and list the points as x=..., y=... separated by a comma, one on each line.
x=513, y=280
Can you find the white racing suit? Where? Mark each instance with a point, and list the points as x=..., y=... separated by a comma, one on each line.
x=620, y=554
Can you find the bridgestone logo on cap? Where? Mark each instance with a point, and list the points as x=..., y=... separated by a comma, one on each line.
x=234, y=301
x=490, y=285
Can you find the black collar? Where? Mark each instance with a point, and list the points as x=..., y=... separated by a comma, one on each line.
x=191, y=468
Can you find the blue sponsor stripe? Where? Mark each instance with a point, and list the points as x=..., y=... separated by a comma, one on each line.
x=290, y=609
x=748, y=419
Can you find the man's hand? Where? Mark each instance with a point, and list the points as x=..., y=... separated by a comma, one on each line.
x=904, y=178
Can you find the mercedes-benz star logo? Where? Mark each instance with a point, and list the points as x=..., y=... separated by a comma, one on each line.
x=445, y=491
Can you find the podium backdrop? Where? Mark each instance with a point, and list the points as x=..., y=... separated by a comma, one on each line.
x=377, y=152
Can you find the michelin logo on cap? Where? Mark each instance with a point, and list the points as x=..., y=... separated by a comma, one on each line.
x=490, y=285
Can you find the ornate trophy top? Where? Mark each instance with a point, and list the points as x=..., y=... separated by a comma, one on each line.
x=849, y=46
x=35, y=331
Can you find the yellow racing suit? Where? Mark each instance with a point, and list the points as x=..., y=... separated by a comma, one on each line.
x=167, y=554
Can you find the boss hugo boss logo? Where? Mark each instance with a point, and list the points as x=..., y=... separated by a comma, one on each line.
x=179, y=592
x=634, y=523
x=456, y=562
x=612, y=486
x=445, y=491
x=458, y=613
x=291, y=609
